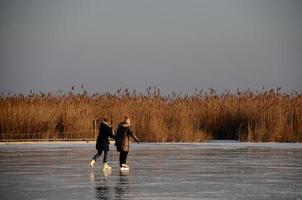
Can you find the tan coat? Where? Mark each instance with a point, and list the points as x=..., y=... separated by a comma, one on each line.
x=122, y=137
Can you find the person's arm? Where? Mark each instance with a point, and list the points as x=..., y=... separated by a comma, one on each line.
x=133, y=135
x=111, y=134
x=117, y=136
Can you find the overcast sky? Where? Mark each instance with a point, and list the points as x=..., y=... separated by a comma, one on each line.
x=47, y=45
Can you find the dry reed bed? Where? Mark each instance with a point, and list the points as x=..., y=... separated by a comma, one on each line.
x=248, y=116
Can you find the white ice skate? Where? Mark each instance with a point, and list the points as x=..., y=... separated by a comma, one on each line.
x=91, y=163
x=124, y=168
x=106, y=167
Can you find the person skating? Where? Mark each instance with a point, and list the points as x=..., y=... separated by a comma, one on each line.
x=122, y=138
x=102, y=143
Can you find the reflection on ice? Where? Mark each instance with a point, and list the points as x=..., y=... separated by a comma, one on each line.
x=110, y=188
x=217, y=170
x=122, y=188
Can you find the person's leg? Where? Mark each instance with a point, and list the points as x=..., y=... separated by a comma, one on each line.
x=125, y=157
x=95, y=157
x=105, y=157
x=106, y=166
x=121, y=158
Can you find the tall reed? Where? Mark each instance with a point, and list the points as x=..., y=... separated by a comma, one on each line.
x=268, y=115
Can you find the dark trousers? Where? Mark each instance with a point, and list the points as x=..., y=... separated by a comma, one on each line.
x=123, y=157
x=99, y=153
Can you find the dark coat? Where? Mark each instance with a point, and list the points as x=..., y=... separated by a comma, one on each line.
x=122, y=137
x=105, y=132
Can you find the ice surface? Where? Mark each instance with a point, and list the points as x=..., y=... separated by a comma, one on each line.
x=219, y=170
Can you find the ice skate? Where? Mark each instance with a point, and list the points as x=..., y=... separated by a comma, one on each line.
x=106, y=167
x=125, y=167
x=91, y=163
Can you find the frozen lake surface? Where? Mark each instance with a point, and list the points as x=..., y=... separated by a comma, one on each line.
x=218, y=170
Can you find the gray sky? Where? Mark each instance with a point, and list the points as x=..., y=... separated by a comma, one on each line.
x=48, y=45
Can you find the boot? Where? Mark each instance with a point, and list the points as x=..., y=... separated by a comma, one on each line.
x=106, y=167
x=91, y=163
